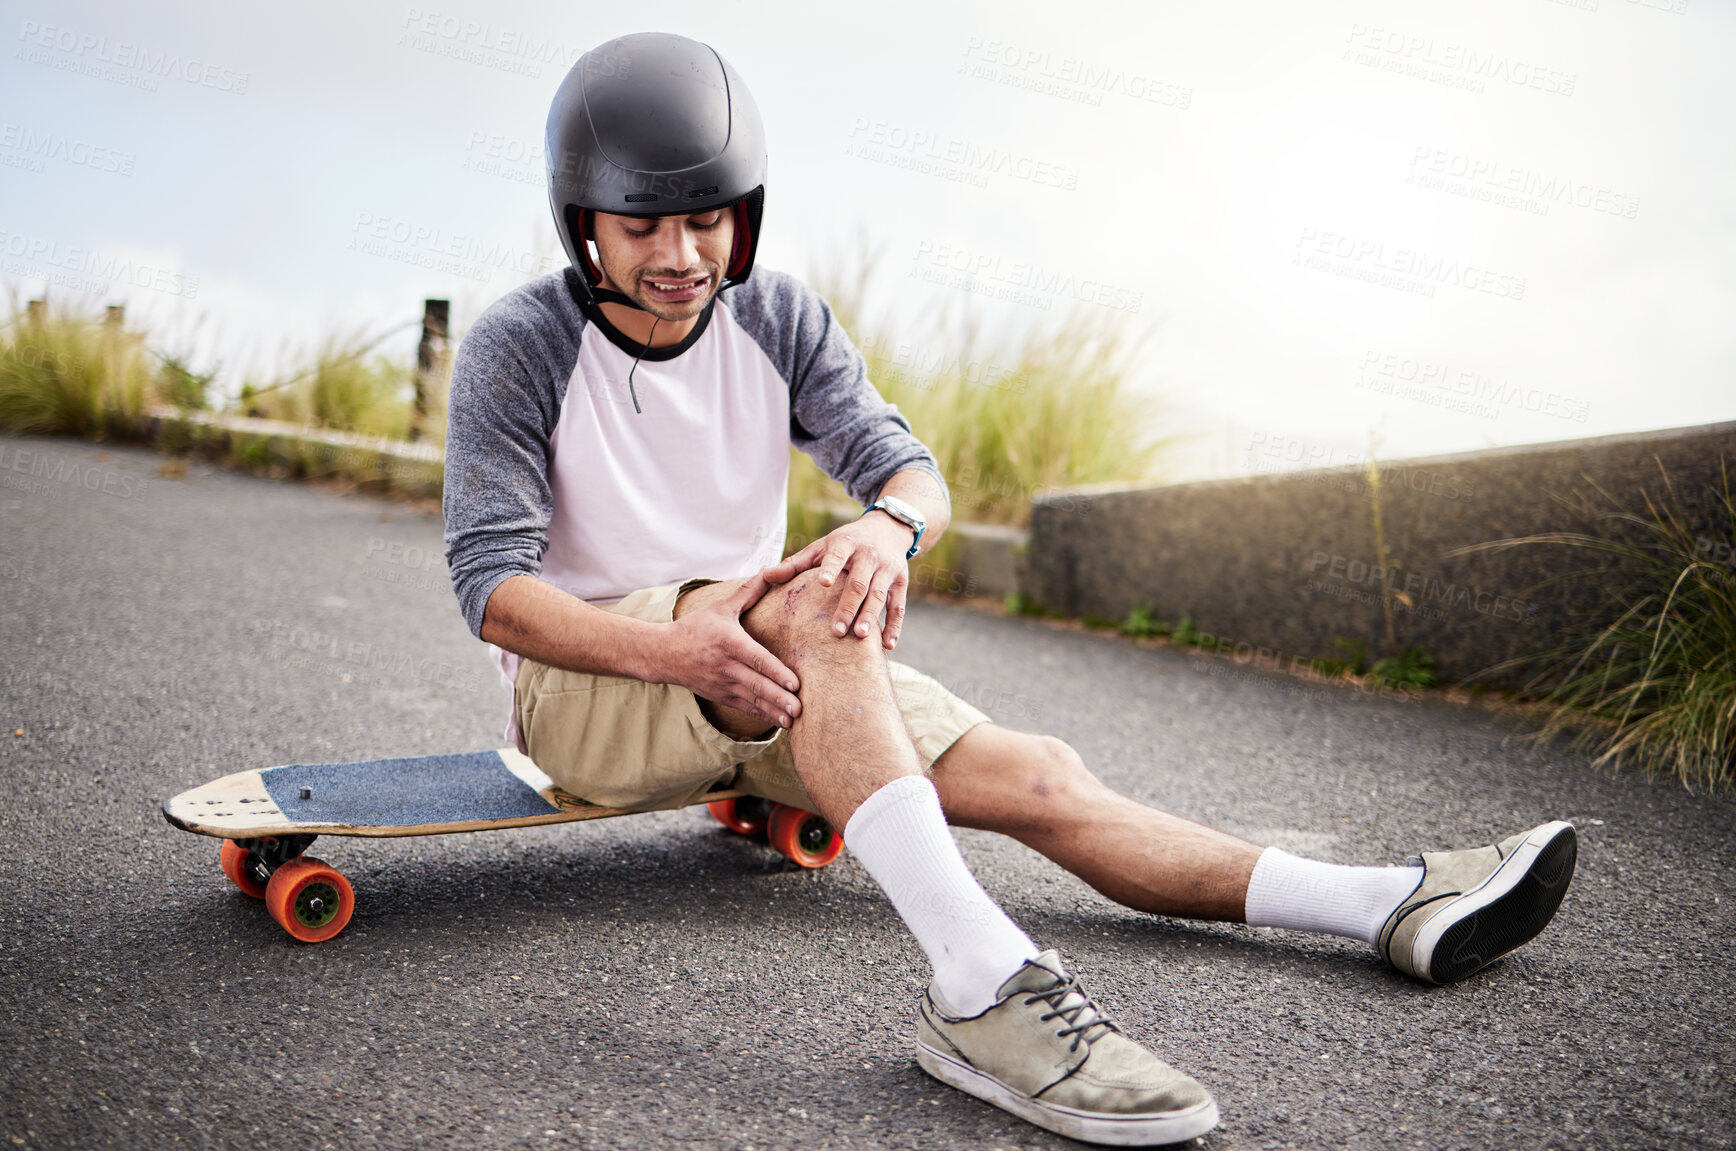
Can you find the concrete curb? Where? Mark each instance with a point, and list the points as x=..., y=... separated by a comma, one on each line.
x=1277, y=568
x=289, y=451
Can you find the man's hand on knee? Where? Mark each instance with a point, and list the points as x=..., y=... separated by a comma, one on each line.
x=867, y=555
x=706, y=650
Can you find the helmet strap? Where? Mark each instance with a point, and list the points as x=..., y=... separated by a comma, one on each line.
x=743, y=243
x=587, y=237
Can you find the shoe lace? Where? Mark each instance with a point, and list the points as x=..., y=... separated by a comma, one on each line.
x=1070, y=1002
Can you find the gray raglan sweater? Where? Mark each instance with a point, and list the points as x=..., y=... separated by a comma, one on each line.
x=510, y=386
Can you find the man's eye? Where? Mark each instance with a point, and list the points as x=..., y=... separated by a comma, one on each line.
x=706, y=227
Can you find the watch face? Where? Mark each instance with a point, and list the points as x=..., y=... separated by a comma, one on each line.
x=903, y=511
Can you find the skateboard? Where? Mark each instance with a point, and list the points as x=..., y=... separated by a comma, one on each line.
x=268, y=817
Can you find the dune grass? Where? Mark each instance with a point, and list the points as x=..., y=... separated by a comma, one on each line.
x=1648, y=678
x=1007, y=421
x=346, y=386
x=66, y=372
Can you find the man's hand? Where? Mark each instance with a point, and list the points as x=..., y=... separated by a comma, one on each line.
x=709, y=653
x=871, y=551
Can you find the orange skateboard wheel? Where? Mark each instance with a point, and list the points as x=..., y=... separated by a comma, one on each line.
x=744, y=815
x=234, y=860
x=309, y=899
x=803, y=837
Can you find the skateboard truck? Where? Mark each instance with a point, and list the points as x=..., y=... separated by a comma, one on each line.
x=270, y=852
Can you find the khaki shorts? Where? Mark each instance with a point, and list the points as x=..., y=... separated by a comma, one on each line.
x=639, y=746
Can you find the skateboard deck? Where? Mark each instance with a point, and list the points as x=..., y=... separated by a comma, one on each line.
x=423, y=795
x=269, y=816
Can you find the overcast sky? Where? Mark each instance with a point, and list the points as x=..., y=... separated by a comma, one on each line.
x=1448, y=224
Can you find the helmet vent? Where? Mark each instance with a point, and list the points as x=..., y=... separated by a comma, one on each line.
x=696, y=193
x=642, y=197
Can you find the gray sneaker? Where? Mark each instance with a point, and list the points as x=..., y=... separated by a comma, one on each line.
x=1046, y=1053
x=1472, y=907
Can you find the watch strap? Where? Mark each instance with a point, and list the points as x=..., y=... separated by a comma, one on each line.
x=915, y=544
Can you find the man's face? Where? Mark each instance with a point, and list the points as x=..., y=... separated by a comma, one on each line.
x=668, y=265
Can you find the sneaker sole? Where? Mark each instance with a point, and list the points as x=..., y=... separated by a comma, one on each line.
x=1505, y=911
x=1087, y=1126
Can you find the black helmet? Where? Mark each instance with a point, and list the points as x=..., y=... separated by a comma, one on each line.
x=654, y=125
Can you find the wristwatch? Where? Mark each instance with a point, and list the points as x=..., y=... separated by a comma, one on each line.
x=904, y=514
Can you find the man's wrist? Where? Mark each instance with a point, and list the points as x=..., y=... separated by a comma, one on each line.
x=903, y=513
x=904, y=529
x=645, y=652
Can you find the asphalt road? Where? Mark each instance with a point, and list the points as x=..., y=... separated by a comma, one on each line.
x=656, y=981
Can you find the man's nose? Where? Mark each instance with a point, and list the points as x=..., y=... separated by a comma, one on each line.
x=679, y=247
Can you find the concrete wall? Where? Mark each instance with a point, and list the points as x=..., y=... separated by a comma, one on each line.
x=269, y=447
x=1282, y=565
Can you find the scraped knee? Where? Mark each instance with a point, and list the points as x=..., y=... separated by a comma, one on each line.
x=794, y=621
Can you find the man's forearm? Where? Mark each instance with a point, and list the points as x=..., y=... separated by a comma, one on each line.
x=918, y=488
x=535, y=619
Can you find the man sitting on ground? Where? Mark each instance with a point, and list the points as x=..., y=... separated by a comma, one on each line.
x=616, y=466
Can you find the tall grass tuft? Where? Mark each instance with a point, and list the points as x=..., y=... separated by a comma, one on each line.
x=344, y=388
x=1650, y=680
x=66, y=373
x=1006, y=422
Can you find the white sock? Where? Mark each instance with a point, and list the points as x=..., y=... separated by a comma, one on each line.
x=901, y=837
x=1305, y=895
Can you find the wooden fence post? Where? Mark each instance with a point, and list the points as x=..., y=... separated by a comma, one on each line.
x=116, y=316
x=430, y=354
x=36, y=311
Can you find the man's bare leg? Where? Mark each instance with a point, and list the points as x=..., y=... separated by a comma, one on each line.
x=850, y=740
x=1037, y=790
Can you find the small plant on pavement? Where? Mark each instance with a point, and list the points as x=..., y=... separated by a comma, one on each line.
x=1411, y=668
x=1140, y=624
x=1328, y=666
